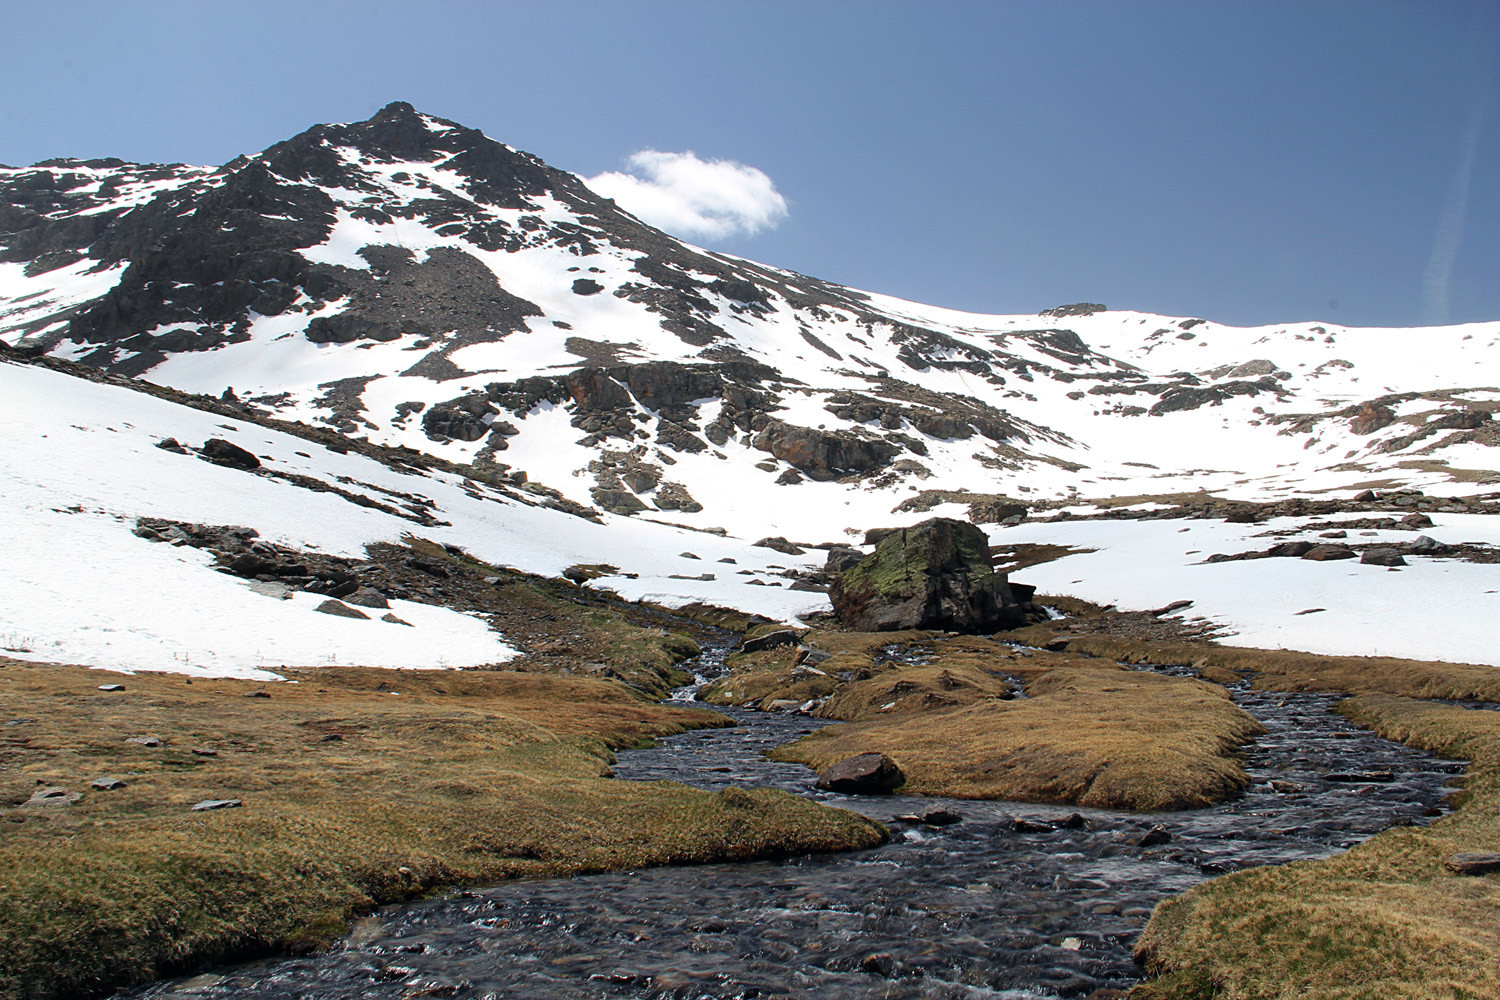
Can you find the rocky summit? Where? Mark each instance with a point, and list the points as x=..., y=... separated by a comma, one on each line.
x=413, y=282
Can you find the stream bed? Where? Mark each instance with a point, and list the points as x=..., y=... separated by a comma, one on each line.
x=1012, y=901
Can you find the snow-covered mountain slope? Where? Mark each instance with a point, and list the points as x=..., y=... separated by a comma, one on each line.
x=410, y=280
x=81, y=462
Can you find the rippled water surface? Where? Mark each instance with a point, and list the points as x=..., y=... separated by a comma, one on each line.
x=987, y=907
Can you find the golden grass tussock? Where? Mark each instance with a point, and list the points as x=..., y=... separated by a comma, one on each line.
x=1290, y=670
x=1384, y=921
x=359, y=787
x=1089, y=734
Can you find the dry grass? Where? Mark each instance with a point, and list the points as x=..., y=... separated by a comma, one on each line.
x=1384, y=921
x=1090, y=733
x=434, y=778
x=1289, y=670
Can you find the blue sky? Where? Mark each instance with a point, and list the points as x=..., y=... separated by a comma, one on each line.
x=1247, y=162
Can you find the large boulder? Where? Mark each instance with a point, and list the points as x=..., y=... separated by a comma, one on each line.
x=864, y=774
x=936, y=574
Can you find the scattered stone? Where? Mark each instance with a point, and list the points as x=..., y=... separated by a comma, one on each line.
x=208, y=751
x=107, y=784
x=1310, y=611
x=1174, y=606
x=332, y=607
x=171, y=444
x=863, y=774
x=436, y=570
x=1023, y=824
x=368, y=597
x=1416, y=521
x=1325, y=553
x=1334, y=534
x=221, y=452
x=1427, y=545
x=780, y=545
x=785, y=705
x=1367, y=420
x=111, y=687
x=332, y=738
x=771, y=640
x=1473, y=863
x=145, y=741
x=686, y=555
x=53, y=795
x=1155, y=837
x=938, y=816
x=257, y=694
x=210, y=804
x=392, y=619
x=1291, y=550
x=1382, y=557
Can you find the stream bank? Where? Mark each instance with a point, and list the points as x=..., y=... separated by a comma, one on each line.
x=1014, y=901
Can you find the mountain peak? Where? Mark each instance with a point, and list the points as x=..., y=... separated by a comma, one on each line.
x=395, y=109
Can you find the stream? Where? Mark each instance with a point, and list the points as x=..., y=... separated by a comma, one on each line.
x=1012, y=901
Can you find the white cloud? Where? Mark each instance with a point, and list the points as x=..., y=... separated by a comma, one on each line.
x=691, y=197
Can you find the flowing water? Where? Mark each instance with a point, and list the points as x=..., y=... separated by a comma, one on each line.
x=1012, y=901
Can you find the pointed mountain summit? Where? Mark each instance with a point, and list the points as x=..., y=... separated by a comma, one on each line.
x=411, y=280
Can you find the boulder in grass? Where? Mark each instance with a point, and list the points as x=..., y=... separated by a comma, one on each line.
x=1473, y=863
x=937, y=575
x=52, y=796
x=208, y=805
x=864, y=774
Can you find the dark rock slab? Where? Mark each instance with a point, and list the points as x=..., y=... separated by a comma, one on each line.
x=1473, y=863
x=864, y=774
x=341, y=609
x=226, y=453
x=1382, y=557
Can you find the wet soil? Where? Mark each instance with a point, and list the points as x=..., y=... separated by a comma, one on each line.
x=1014, y=901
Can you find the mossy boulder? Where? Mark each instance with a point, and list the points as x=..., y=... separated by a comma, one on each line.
x=936, y=574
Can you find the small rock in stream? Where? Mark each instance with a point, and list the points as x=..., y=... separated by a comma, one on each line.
x=879, y=964
x=1155, y=837
x=1383, y=777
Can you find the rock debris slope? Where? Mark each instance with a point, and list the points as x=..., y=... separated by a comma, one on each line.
x=410, y=282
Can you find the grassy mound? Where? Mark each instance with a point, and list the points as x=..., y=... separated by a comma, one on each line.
x=358, y=786
x=1384, y=921
x=1290, y=670
x=1090, y=733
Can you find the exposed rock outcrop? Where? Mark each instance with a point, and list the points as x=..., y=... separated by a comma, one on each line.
x=937, y=574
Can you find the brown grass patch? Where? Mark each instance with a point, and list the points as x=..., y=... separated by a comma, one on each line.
x=1289, y=670
x=1090, y=734
x=1384, y=921
x=359, y=787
